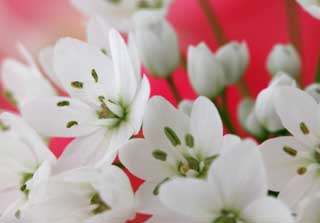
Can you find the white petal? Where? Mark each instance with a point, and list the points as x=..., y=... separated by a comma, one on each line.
x=206, y=126
x=125, y=74
x=296, y=108
x=84, y=151
x=97, y=33
x=51, y=120
x=134, y=54
x=239, y=176
x=309, y=211
x=267, y=210
x=280, y=166
x=191, y=197
x=137, y=156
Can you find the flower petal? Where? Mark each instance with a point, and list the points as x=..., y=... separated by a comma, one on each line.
x=60, y=116
x=309, y=211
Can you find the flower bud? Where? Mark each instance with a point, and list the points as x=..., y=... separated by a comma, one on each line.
x=314, y=91
x=157, y=43
x=206, y=73
x=311, y=6
x=235, y=58
x=284, y=58
x=264, y=107
x=248, y=118
x=186, y=106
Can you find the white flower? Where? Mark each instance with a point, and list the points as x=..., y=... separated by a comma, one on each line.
x=22, y=153
x=119, y=13
x=264, y=107
x=284, y=58
x=175, y=145
x=22, y=81
x=186, y=106
x=311, y=6
x=157, y=43
x=248, y=118
x=206, y=72
x=235, y=191
x=83, y=195
x=314, y=91
x=106, y=106
x=309, y=210
x=292, y=162
x=235, y=58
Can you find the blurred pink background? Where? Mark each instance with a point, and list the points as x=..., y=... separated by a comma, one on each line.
x=261, y=24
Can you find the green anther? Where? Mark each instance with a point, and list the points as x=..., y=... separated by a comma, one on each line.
x=157, y=188
x=17, y=214
x=25, y=178
x=302, y=170
x=94, y=75
x=63, y=103
x=9, y=96
x=77, y=84
x=317, y=156
x=3, y=127
x=104, y=51
x=189, y=140
x=71, y=123
x=304, y=128
x=172, y=136
x=114, y=1
x=101, y=99
x=144, y=4
x=101, y=205
x=159, y=155
x=290, y=151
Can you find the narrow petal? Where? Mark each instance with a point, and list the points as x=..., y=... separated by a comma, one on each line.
x=60, y=116
x=267, y=210
x=309, y=210
x=206, y=126
x=97, y=33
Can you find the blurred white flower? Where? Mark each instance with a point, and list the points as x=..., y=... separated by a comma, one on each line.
x=23, y=82
x=107, y=103
x=314, y=91
x=119, y=13
x=264, y=107
x=83, y=195
x=23, y=153
x=311, y=6
x=292, y=162
x=175, y=145
x=206, y=72
x=235, y=191
x=186, y=106
x=235, y=58
x=309, y=209
x=157, y=43
x=284, y=58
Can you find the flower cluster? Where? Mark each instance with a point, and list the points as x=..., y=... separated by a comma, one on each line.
x=194, y=165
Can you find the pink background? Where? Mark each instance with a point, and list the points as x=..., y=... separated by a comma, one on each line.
x=261, y=24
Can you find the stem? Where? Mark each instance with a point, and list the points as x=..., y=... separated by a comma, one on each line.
x=213, y=21
x=243, y=88
x=173, y=89
x=317, y=76
x=183, y=61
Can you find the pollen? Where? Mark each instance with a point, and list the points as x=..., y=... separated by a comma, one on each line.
x=302, y=170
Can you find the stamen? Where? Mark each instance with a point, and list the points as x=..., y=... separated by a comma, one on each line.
x=71, y=123
x=304, y=128
x=3, y=127
x=302, y=170
x=101, y=99
x=159, y=155
x=189, y=140
x=94, y=75
x=101, y=205
x=63, y=103
x=290, y=151
x=77, y=84
x=172, y=136
x=156, y=189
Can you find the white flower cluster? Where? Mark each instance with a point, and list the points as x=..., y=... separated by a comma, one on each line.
x=192, y=171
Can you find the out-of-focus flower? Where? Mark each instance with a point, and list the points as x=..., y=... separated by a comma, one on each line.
x=284, y=58
x=235, y=191
x=119, y=13
x=264, y=107
x=106, y=106
x=157, y=43
x=23, y=82
x=206, y=72
x=311, y=6
x=293, y=161
x=186, y=106
x=235, y=58
x=23, y=153
x=314, y=91
x=248, y=118
x=83, y=195
x=309, y=209
x=175, y=145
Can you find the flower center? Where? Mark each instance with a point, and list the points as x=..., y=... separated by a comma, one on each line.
x=226, y=217
x=101, y=206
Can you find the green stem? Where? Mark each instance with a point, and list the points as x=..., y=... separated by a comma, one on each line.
x=317, y=76
x=173, y=89
x=243, y=88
